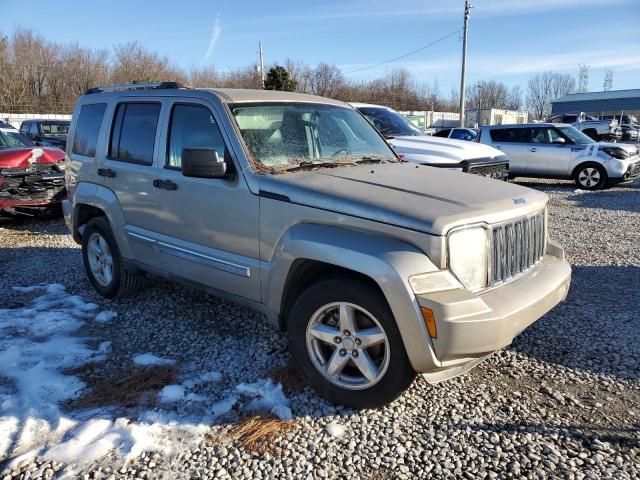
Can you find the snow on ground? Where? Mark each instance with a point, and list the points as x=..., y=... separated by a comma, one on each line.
x=149, y=359
x=38, y=343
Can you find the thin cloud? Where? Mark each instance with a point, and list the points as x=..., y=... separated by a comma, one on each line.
x=215, y=34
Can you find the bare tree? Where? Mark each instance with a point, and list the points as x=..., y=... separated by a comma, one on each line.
x=545, y=87
x=325, y=80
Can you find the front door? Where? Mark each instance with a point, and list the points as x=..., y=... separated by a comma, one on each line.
x=549, y=153
x=207, y=227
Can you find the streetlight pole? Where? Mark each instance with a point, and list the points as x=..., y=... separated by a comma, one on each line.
x=467, y=11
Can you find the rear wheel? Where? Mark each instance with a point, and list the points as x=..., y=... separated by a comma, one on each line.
x=344, y=341
x=103, y=263
x=590, y=176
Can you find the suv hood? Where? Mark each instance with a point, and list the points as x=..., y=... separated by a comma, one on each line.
x=436, y=150
x=426, y=199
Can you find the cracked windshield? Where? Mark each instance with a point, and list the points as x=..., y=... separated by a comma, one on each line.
x=295, y=136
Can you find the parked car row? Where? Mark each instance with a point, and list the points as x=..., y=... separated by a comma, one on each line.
x=376, y=268
x=595, y=128
x=31, y=177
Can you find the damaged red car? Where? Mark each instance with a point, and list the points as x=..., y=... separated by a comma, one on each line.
x=31, y=177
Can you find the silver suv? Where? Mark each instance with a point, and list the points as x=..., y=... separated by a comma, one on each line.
x=377, y=269
x=550, y=150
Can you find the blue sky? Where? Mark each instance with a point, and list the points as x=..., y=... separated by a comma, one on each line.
x=509, y=40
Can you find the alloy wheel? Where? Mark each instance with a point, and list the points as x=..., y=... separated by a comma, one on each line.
x=100, y=259
x=589, y=177
x=347, y=345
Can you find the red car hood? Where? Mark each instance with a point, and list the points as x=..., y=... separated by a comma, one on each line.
x=23, y=157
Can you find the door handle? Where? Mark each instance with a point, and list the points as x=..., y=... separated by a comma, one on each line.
x=165, y=184
x=106, y=172
x=533, y=149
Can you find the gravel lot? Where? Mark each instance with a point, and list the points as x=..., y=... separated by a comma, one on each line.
x=562, y=402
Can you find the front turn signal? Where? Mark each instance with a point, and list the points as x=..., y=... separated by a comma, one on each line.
x=429, y=321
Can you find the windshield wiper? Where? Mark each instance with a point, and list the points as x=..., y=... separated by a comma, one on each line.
x=371, y=159
x=308, y=165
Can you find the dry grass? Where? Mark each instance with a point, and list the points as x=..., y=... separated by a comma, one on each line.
x=138, y=386
x=259, y=434
x=290, y=379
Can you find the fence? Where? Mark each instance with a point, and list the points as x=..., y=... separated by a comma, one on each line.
x=16, y=119
x=431, y=119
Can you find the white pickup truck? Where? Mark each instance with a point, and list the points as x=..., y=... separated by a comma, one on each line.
x=415, y=146
x=598, y=130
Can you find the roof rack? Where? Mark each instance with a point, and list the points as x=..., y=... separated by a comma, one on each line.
x=135, y=86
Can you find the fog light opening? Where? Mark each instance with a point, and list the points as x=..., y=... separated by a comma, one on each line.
x=429, y=321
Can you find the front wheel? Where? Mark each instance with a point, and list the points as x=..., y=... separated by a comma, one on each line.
x=344, y=341
x=590, y=176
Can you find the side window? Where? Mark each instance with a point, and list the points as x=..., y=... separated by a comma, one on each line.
x=24, y=128
x=192, y=126
x=512, y=135
x=540, y=135
x=33, y=130
x=570, y=119
x=88, y=125
x=133, y=134
x=556, y=119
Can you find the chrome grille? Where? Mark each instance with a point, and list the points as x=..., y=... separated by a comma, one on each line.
x=516, y=246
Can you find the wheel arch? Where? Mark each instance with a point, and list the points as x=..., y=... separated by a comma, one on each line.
x=309, y=252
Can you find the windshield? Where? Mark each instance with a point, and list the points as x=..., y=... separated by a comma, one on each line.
x=54, y=128
x=575, y=135
x=389, y=123
x=285, y=135
x=13, y=139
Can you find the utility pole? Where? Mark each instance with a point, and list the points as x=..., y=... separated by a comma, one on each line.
x=467, y=11
x=261, y=63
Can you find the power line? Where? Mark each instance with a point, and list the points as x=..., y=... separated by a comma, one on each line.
x=406, y=54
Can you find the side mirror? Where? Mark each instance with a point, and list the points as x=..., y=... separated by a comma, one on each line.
x=202, y=163
x=559, y=141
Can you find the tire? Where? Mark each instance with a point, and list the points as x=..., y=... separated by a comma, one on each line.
x=317, y=310
x=120, y=282
x=592, y=133
x=590, y=176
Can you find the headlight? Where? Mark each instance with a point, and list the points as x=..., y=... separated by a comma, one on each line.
x=468, y=256
x=616, y=152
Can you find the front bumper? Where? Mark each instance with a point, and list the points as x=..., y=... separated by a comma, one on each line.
x=41, y=188
x=470, y=325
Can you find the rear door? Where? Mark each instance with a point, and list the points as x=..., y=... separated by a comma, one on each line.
x=128, y=170
x=208, y=228
x=514, y=143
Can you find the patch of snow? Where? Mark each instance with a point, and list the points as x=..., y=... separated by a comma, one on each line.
x=106, y=316
x=335, y=429
x=171, y=394
x=224, y=406
x=148, y=359
x=38, y=343
x=266, y=395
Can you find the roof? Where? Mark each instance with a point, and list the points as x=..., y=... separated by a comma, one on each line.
x=367, y=105
x=229, y=95
x=250, y=95
x=608, y=95
x=525, y=125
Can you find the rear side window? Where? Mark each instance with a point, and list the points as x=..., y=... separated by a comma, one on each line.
x=85, y=138
x=513, y=135
x=192, y=126
x=133, y=135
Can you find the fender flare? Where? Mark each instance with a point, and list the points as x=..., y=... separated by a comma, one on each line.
x=387, y=261
x=104, y=199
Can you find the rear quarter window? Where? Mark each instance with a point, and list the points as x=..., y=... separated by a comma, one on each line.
x=87, y=130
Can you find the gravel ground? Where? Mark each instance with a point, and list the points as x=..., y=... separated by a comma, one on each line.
x=562, y=402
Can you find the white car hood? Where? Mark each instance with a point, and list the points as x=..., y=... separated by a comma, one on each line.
x=436, y=150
